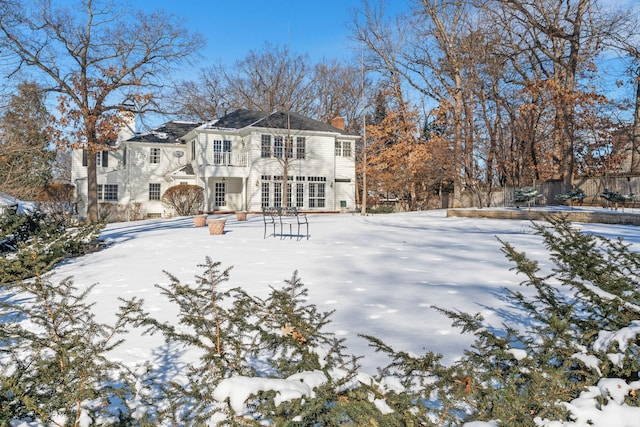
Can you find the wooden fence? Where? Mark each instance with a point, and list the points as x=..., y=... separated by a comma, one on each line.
x=592, y=187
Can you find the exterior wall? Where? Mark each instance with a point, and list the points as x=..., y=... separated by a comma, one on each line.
x=345, y=182
x=242, y=170
x=319, y=162
x=132, y=175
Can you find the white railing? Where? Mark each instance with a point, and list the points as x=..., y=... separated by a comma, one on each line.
x=228, y=159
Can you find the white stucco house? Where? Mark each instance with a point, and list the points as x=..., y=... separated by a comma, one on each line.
x=238, y=159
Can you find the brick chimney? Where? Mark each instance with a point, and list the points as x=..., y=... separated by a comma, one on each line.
x=338, y=122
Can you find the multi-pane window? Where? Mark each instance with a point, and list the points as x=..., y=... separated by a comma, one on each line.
x=289, y=195
x=102, y=158
x=317, y=187
x=278, y=147
x=301, y=143
x=299, y=194
x=265, y=146
x=108, y=192
x=289, y=147
x=343, y=148
x=154, y=155
x=220, y=150
x=220, y=191
x=154, y=191
x=217, y=152
x=283, y=146
x=277, y=194
x=265, y=194
x=346, y=148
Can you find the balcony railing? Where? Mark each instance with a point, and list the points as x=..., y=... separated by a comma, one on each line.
x=228, y=159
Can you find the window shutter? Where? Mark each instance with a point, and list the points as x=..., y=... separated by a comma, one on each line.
x=124, y=156
x=84, y=157
x=105, y=158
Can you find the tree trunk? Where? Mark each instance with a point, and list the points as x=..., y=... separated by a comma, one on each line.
x=458, y=159
x=92, y=188
x=635, y=136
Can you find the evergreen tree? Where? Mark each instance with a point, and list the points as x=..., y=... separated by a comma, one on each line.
x=26, y=156
x=54, y=368
x=567, y=340
x=33, y=242
x=242, y=336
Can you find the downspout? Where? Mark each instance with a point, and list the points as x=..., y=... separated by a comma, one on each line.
x=204, y=168
x=333, y=182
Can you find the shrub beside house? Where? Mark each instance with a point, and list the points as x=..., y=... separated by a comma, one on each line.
x=239, y=160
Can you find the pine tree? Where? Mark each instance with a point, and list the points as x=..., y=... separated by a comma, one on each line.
x=33, y=242
x=54, y=368
x=557, y=343
x=26, y=158
x=238, y=335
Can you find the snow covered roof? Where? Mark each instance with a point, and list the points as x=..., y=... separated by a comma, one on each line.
x=168, y=133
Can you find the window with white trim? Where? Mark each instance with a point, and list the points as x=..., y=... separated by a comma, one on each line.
x=289, y=195
x=278, y=147
x=343, y=148
x=265, y=146
x=265, y=197
x=299, y=194
x=108, y=192
x=289, y=147
x=277, y=193
x=154, y=191
x=317, y=191
x=346, y=148
x=220, y=150
x=301, y=147
x=219, y=194
x=154, y=155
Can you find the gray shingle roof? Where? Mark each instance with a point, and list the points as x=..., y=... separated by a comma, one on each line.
x=168, y=133
x=276, y=120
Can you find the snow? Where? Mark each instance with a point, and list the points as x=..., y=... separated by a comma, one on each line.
x=382, y=274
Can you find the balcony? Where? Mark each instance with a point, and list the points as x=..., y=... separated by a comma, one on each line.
x=230, y=159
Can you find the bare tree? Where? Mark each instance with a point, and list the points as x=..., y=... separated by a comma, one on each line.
x=101, y=61
x=204, y=99
x=272, y=79
x=564, y=38
x=423, y=49
x=338, y=89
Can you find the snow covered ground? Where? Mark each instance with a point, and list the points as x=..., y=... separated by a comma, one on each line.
x=380, y=273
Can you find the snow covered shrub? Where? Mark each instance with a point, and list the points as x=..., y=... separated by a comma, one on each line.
x=54, y=368
x=32, y=243
x=261, y=360
x=555, y=355
x=184, y=199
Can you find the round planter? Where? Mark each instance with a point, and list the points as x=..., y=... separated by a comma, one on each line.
x=241, y=216
x=200, y=220
x=216, y=226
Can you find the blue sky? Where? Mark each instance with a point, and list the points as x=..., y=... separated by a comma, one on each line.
x=318, y=28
